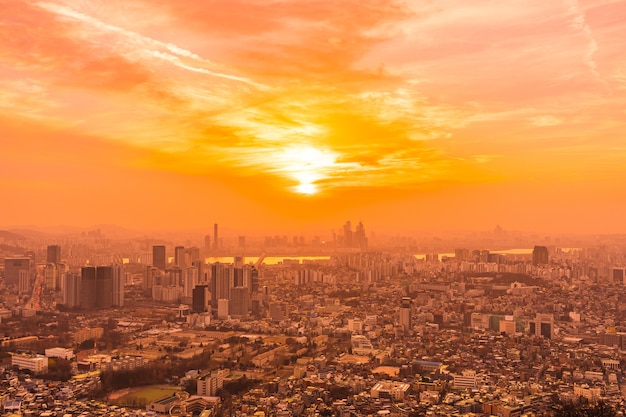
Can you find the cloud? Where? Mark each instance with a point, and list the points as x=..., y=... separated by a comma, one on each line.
x=541, y=121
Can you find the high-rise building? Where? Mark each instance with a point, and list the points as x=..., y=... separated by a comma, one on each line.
x=179, y=257
x=53, y=254
x=190, y=281
x=540, y=255
x=13, y=266
x=72, y=290
x=405, y=314
x=360, y=240
x=347, y=234
x=200, y=299
x=279, y=311
x=207, y=243
x=223, y=308
x=461, y=254
x=104, y=286
x=254, y=280
x=51, y=276
x=239, y=302
x=88, y=287
x=211, y=384
x=151, y=277
x=543, y=325
x=159, y=259
x=24, y=282
x=242, y=241
x=215, y=236
x=96, y=287
x=118, y=285
x=220, y=282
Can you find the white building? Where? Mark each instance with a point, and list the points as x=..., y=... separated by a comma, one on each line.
x=59, y=352
x=208, y=386
x=361, y=345
x=36, y=363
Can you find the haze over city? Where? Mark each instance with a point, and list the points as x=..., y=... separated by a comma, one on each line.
x=312, y=208
x=300, y=115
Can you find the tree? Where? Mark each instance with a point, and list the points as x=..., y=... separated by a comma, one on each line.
x=583, y=408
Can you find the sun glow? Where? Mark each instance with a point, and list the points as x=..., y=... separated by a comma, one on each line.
x=307, y=165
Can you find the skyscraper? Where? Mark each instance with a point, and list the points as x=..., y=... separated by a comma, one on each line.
x=179, y=257
x=405, y=314
x=159, y=259
x=104, y=286
x=347, y=234
x=215, y=242
x=220, y=282
x=88, y=287
x=53, y=254
x=72, y=290
x=97, y=287
x=118, y=285
x=540, y=255
x=200, y=299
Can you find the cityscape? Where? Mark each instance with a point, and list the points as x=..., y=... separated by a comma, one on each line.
x=310, y=208
x=347, y=324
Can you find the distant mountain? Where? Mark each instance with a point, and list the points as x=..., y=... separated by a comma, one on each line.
x=7, y=235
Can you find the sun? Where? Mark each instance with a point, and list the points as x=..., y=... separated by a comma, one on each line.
x=307, y=165
x=306, y=189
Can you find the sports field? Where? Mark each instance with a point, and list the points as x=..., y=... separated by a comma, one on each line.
x=140, y=396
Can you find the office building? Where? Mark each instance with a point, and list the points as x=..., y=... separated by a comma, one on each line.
x=200, y=299
x=190, y=281
x=159, y=259
x=179, y=257
x=72, y=290
x=220, y=282
x=215, y=237
x=118, y=285
x=13, y=266
x=53, y=254
x=37, y=364
x=543, y=325
x=209, y=385
x=96, y=287
x=223, y=306
x=239, y=302
x=405, y=314
x=279, y=311
x=540, y=255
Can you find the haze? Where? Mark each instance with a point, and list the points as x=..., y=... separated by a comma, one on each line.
x=263, y=114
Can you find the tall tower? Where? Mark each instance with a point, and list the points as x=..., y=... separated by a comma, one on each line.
x=405, y=314
x=540, y=255
x=104, y=286
x=347, y=234
x=118, y=285
x=53, y=254
x=179, y=256
x=215, y=236
x=88, y=287
x=72, y=290
x=159, y=259
x=220, y=282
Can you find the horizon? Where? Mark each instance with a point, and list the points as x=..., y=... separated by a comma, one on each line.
x=299, y=116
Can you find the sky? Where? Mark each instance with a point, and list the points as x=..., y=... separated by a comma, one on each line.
x=273, y=115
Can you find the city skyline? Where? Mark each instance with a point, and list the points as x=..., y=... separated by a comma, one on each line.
x=301, y=115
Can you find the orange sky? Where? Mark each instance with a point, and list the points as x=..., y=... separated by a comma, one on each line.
x=294, y=114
